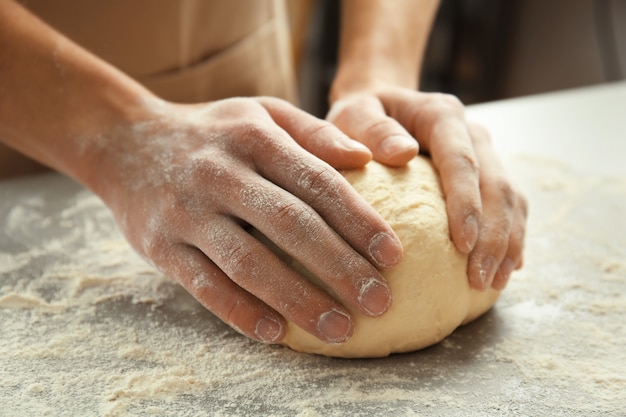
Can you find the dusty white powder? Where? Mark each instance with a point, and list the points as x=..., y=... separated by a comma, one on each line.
x=88, y=328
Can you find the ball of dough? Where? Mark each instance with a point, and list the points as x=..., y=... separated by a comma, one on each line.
x=431, y=293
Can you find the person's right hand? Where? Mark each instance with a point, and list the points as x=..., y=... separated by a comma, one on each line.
x=185, y=183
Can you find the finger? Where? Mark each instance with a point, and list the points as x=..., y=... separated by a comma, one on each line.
x=499, y=204
x=491, y=247
x=364, y=119
x=330, y=195
x=514, y=256
x=217, y=293
x=300, y=231
x=256, y=270
x=452, y=152
x=318, y=136
x=438, y=122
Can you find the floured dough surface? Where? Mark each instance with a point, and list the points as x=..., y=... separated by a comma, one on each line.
x=431, y=293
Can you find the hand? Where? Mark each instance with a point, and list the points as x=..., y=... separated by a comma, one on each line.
x=487, y=215
x=185, y=184
x=499, y=248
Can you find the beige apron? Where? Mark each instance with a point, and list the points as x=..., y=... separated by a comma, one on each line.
x=182, y=50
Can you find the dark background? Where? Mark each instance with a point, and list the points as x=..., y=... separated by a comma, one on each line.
x=484, y=50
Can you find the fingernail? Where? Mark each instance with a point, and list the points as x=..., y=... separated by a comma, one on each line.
x=385, y=249
x=268, y=330
x=487, y=272
x=375, y=297
x=335, y=325
x=470, y=232
x=394, y=145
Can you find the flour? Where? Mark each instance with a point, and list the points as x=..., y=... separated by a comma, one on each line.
x=87, y=327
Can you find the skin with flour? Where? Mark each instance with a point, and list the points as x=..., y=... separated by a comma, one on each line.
x=182, y=181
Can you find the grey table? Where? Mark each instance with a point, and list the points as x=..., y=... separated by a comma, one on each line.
x=88, y=328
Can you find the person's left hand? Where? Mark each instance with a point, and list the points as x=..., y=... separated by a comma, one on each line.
x=487, y=215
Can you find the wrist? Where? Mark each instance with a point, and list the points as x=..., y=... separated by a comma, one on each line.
x=106, y=145
x=57, y=98
x=382, y=45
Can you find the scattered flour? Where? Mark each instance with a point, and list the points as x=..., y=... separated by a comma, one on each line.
x=89, y=328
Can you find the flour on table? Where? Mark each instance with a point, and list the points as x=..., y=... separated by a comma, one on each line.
x=88, y=328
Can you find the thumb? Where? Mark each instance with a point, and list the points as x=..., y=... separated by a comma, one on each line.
x=364, y=119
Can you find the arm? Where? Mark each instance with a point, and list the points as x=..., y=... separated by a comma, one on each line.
x=185, y=181
x=382, y=43
x=374, y=100
x=55, y=95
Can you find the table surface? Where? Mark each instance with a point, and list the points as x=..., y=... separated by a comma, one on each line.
x=87, y=328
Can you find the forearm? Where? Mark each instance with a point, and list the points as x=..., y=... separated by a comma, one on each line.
x=382, y=43
x=56, y=97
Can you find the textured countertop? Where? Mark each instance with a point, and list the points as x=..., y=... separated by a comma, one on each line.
x=87, y=328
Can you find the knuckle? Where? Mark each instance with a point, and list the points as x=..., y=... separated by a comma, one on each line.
x=518, y=234
x=321, y=129
x=380, y=128
x=293, y=215
x=252, y=137
x=496, y=234
x=234, y=313
x=479, y=133
x=517, y=239
x=153, y=245
x=506, y=193
x=499, y=237
x=268, y=100
x=468, y=162
x=318, y=183
x=446, y=103
x=252, y=130
x=241, y=262
x=204, y=168
x=463, y=161
x=522, y=203
x=155, y=237
x=503, y=234
x=231, y=109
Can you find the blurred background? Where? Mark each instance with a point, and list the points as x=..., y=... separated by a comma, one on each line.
x=484, y=50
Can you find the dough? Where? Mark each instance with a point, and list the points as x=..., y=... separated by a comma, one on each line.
x=431, y=293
